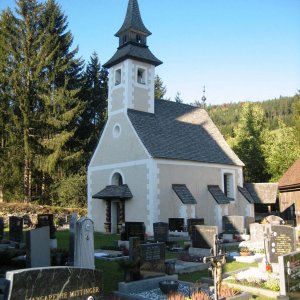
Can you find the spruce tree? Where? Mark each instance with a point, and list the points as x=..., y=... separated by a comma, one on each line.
x=160, y=89
x=248, y=143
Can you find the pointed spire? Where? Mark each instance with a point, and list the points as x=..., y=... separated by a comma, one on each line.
x=133, y=20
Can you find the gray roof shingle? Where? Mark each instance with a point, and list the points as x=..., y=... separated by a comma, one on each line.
x=218, y=194
x=137, y=52
x=181, y=131
x=133, y=19
x=246, y=194
x=114, y=191
x=184, y=194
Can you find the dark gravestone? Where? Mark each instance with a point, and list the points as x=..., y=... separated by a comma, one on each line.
x=73, y=221
x=192, y=222
x=161, y=231
x=134, y=229
x=134, y=249
x=38, y=248
x=15, y=229
x=282, y=241
x=1, y=228
x=153, y=257
x=47, y=220
x=234, y=224
x=55, y=283
x=203, y=236
x=289, y=275
x=176, y=224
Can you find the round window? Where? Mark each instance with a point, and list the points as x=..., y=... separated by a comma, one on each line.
x=117, y=130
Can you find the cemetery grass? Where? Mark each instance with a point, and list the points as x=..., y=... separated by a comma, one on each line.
x=112, y=273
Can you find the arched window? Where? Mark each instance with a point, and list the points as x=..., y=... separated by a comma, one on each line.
x=117, y=179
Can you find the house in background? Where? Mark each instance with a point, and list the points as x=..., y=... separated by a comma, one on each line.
x=157, y=159
x=289, y=193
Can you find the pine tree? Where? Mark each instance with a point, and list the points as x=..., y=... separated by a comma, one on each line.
x=248, y=143
x=160, y=89
x=178, y=98
x=43, y=79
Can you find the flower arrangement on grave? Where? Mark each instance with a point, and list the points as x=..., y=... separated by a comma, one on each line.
x=245, y=251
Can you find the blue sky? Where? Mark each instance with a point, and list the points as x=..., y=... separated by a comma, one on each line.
x=239, y=49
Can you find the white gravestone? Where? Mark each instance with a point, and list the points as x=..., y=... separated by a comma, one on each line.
x=84, y=244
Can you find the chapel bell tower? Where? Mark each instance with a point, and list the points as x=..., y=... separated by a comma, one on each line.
x=132, y=67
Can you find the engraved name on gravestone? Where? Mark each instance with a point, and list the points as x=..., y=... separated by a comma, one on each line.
x=289, y=275
x=38, y=248
x=47, y=220
x=192, y=222
x=73, y=220
x=55, y=283
x=203, y=236
x=176, y=224
x=161, y=231
x=15, y=229
x=84, y=244
x=282, y=241
x=1, y=228
x=153, y=257
x=135, y=229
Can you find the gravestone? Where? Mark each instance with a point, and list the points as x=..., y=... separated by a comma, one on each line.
x=55, y=283
x=234, y=224
x=1, y=228
x=153, y=257
x=289, y=275
x=134, y=229
x=161, y=231
x=47, y=220
x=73, y=221
x=192, y=222
x=176, y=224
x=257, y=231
x=38, y=248
x=281, y=241
x=204, y=237
x=15, y=229
x=84, y=244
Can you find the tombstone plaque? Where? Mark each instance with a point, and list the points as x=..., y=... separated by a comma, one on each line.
x=55, y=283
x=135, y=229
x=15, y=229
x=176, y=224
x=192, y=222
x=161, y=231
x=153, y=257
x=289, y=275
x=281, y=241
x=47, y=220
x=84, y=244
x=38, y=248
x=203, y=236
x=1, y=228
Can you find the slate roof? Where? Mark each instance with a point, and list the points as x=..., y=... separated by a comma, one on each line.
x=246, y=194
x=184, y=194
x=218, y=194
x=133, y=19
x=114, y=192
x=262, y=193
x=137, y=52
x=291, y=178
x=181, y=131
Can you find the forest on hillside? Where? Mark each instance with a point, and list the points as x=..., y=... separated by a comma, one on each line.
x=53, y=106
